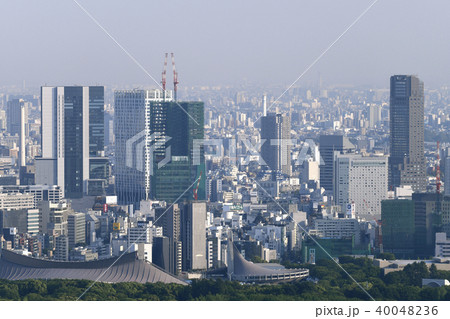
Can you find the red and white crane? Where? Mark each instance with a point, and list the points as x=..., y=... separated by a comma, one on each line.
x=163, y=82
x=175, y=78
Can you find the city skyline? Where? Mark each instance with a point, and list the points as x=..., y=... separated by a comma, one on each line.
x=298, y=151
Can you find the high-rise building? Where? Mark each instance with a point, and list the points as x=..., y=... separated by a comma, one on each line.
x=276, y=149
x=156, y=150
x=374, y=115
x=194, y=235
x=14, y=117
x=169, y=218
x=133, y=143
x=407, y=159
x=362, y=181
x=180, y=124
x=328, y=144
x=72, y=133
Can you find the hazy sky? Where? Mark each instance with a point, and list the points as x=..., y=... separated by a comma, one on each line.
x=223, y=42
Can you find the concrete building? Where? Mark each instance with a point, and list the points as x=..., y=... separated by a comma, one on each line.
x=16, y=201
x=53, y=217
x=374, y=115
x=127, y=268
x=25, y=220
x=76, y=224
x=442, y=246
x=310, y=171
x=328, y=144
x=194, y=236
x=52, y=193
x=61, y=248
x=362, y=181
x=336, y=228
x=169, y=218
x=140, y=234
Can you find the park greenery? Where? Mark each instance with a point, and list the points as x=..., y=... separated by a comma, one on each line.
x=330, y=283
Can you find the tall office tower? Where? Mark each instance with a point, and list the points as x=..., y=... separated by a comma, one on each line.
x=407, y=160
x=276, y=150
x=193, y=235
x=13, y=115
x=170, y=220
x=76, y=226
x=328, y=145
x=133, y=143
x=362, y=181
x=72, y=134
x=374, y=115
x=22, y=136
x=180, y=126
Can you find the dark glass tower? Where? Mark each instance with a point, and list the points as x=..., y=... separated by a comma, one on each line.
x=72, y=135
x=407, y=164
x=73, y=141
x=181, y=124
x=276, y=150
x=96, y=120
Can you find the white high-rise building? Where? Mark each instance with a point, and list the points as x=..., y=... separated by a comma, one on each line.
x=362, y=181
x=374, y=115
x=133, y=142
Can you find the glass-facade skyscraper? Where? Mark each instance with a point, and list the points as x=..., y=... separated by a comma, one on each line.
x=132, y=132
x=182, y=125
x=155, y=147
x=276, y=150
x=72, y=134
x=407, y=164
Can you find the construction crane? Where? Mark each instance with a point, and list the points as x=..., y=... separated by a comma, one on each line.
x=175, y=78
x=197, y=186
x=163, y=82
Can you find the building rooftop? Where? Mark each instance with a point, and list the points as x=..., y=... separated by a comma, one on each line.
x=125, y=269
